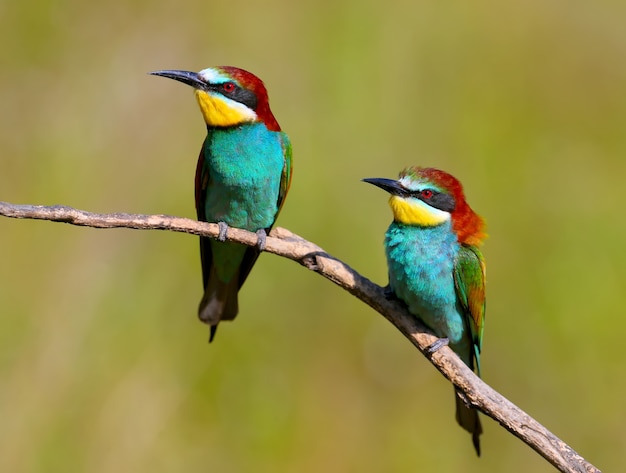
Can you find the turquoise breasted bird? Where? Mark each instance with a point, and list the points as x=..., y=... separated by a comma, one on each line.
x=436, y=267
x=242, y=178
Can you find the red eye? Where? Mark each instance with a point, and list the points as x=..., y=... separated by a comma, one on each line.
x=426, y=193
x=228, y=87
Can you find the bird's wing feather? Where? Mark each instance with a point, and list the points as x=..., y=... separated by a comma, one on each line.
x=469, y=281
x=285, y=178
x=249, y=258
x=202, y=181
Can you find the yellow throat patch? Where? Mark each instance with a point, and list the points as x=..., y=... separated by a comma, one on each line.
x=218, y=111
x=416, y=213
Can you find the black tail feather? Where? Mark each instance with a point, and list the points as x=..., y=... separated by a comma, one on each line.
x=467, y=418
x=213, y=330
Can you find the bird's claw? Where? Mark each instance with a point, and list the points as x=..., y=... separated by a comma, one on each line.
x=223, y=231
x=437, y=344
x=389, y=294
x=261, y=239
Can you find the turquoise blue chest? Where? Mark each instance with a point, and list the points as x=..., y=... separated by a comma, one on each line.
x=421, y=273
x=243, y=167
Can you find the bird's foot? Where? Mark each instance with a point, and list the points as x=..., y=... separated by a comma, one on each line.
x=437, y=344
x=389, y=294
x=261, y=236
x=223, y=231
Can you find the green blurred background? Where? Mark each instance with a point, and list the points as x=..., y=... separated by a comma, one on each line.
x=103, y=364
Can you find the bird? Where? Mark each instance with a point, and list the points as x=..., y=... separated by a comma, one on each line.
x=242, y=177
x=436, y=267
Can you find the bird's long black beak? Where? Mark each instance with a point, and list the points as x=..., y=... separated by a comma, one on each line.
x=186, y=77
x=390, y=185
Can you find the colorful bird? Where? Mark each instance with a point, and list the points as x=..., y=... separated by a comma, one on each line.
x=242, y=178
x=435, y=266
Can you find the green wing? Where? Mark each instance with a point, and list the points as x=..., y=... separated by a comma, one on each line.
x=202, y=182
x=285, y=179
x=469, y=281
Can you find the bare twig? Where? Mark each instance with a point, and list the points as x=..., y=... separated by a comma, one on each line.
x=288, y=245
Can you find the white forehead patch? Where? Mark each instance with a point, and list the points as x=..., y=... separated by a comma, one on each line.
x=213, y=76
x=414, y=185
x=410, y=184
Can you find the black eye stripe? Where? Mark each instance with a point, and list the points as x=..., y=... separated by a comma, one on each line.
x=438, y=200
x=238, y=94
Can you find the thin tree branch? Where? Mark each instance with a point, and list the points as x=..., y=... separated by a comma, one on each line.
x=289, y=245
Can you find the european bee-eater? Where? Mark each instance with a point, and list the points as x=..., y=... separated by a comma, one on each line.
x=242, y=178
x=435, y=266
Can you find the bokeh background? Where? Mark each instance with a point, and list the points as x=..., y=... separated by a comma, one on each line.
x=103, y=364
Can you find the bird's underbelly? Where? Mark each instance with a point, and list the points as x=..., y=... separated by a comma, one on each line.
x=249, y=204
x=246, y=206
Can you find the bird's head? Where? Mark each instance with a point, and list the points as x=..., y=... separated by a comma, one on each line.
x=429, y=197
x=228, y=96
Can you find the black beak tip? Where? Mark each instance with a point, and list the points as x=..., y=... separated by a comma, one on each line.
x=186, y=77
x=389, y=185
x=156, y=73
